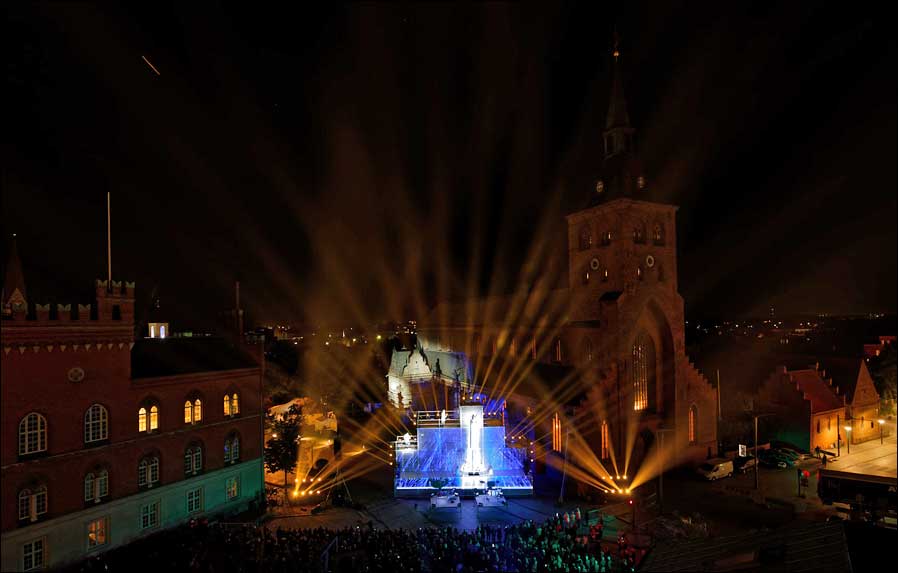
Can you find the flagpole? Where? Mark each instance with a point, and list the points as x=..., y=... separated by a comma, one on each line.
x=108, y=241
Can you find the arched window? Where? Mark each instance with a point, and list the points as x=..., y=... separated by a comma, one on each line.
x=643, y=372
x=587, y=350
x=232, y=449
x=585, y=238
x=148, y=472
x=193, y=411
x=193, y=459
x=606, y=238
x=658, y=234
x=558, y=355
x=96, y=424
x=227, y=405
x=96, y=485
x=235, y=404
x=605, y=450
x=142, y=420
x=693, y=424
x=33, y=502
x=32, y=434
x=154, y=417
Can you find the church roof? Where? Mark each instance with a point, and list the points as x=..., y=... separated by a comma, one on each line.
x=844, y=373
x=151, y=358
x=823, y=398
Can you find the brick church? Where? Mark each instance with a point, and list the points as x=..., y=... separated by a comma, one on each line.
x=611, y=344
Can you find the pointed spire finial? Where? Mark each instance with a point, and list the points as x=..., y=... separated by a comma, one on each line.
x=616, y=51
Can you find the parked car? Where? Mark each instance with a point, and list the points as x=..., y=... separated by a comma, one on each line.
x=771, y=459
x=798, y=455
x=493, y=497
x=789, y=453
x=446, y=497
x=716, y=469
x=743, y=464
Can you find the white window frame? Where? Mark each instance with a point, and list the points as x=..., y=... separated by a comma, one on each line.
x=100, y=522
x=32, y=497
x=28, y=550
x=195, y=500
x=32, y=429
x=96, y=424
x=232, y=484
x=149, y=515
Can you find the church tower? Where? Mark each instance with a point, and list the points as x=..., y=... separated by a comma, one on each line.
x=622, y=240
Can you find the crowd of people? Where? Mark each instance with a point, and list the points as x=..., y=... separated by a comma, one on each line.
x=561, y=544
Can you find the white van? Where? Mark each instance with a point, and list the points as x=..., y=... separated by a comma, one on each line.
x=716, y=469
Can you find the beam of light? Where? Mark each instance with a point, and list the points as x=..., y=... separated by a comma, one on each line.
x=152, y=67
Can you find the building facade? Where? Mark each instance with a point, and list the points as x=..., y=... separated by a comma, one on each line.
x=616, y=333
x=105, y=440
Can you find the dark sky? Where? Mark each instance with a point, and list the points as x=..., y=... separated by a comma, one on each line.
x=359, y=162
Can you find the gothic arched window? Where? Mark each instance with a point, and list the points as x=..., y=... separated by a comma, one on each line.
x=96, y=424
x=585, y=238
x=32, y=434
x=658, y=234
x=643, y=372
x=693, y=424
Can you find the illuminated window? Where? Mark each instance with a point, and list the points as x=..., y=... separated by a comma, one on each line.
x=162, y=331
x=96, y=485
x=640, y=182
x=96, y=424
x=639, y=273
x=97, y=532
x=606, y=441
x=148, y=472
x=33, y=555
x=232, y=449
x=643, y=371
x=149, y=515
x=227, y=405
x=605, y=275
x=33, y=502
x=658, y=234
x=188, y=412
x=693, y=415
x=32, y=434
x=606, y=238
x=193, y=460
x=585, y=275
x=600, y=187
x=235, y=404
x=197, y=410
x=142, y=420
x=232, y=488
x=152, y=331
x=585, y=238
x=195, y=500
x=193, y=411
x=154, y=418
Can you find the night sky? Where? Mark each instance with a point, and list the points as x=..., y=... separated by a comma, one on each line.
x=360, y=162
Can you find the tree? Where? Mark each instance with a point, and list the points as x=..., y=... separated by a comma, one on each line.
x=883, y=371
x=281, y=451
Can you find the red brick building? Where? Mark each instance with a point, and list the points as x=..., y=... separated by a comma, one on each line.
x=104, y=438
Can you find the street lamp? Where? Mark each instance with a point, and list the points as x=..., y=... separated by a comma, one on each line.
x=881, y=422
x=848, y=438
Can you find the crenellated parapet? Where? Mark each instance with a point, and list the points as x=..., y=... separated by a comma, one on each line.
x=115, y=301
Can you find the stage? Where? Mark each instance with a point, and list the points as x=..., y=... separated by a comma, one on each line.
x=464, y=449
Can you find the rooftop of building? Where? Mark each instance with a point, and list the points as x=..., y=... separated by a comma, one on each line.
x=152, y=358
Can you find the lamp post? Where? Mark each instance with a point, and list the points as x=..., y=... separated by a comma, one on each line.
x=757, y=460
x=661, y=432
x=881, y=422
x=848, y=438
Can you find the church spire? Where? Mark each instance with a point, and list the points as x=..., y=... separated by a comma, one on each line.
x=14, y=301
x=618, y=132
x=617, y=104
